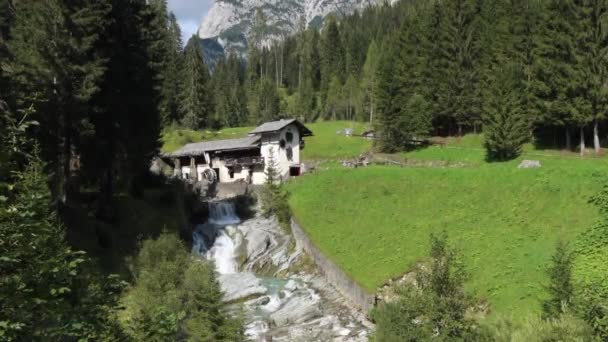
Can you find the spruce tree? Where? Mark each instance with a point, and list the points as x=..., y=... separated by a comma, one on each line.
x=57, y=67
x=126, y=124
x=47, y=291
x=560, y=287
x=389, y=131
x=332, y=57
x=559, y=68
x=171, y=86
x=506, y=126
x=369, y=79
x=595, y=47
x=195, y=100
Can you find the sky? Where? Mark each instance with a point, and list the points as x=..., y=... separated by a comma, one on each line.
x=189, y=13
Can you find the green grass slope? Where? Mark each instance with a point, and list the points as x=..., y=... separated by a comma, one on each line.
x=375, y=222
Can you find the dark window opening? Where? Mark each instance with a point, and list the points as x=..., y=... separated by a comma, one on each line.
x=289, y=137
x=289, y=153
x=231, y=173
x=295, y=171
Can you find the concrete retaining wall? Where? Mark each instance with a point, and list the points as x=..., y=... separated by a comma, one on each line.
x=334, y=275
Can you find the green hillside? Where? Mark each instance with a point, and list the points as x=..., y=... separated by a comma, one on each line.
x=375, y=222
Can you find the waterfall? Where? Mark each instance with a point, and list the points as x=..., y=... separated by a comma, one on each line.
x=212, y=241
x=222, y=253
x=223, y=213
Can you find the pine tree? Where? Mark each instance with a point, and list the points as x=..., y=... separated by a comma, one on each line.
x=195, y=100
x=595, y=48
x=391, y=138
x=268, y=104
x=332, y=57
x=126, y=125
x=369, y=79
x=506, y=126
x=171, y=86
x=44, y=283
x=559, y=70
x=275, y=199
x=560, y=287
x=57, y=67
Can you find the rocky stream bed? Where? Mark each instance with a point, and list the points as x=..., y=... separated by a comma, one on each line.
x=262, y=272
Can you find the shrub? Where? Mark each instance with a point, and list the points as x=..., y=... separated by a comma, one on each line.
x=435, y=309
x=176, y=296
x=275, y=199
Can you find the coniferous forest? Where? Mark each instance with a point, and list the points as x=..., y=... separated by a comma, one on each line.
x=90, y=86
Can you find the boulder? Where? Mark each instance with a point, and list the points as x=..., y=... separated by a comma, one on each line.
x=291, y=285
x=240, y=285
x=298, y=309
x=529, y=164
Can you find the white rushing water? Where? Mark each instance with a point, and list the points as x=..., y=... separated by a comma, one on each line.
x=295, y=307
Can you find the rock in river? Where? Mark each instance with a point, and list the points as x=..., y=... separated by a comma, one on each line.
x=240, y=285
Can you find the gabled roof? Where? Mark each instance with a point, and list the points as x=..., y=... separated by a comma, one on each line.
x=276, y=126
x=198, y=149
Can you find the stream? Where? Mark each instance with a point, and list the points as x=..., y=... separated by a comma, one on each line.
x=257, y=265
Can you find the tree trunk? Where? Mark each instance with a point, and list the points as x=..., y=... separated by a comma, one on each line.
x=582, y=141
x=568, y=139
x=596, y=137
x=371, y=107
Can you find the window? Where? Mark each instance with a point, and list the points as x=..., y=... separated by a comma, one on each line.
x=289, y=153
x=289, y=137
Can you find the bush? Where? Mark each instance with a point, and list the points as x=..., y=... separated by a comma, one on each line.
x=176, y=296
x=564, y=327
x=436, y=309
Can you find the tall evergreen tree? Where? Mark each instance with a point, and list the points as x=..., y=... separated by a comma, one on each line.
x=57, y=67
x=46, y=290
x=595, y=49
x=195, y=106
x=459, y=55
x=506, y=126
x=126, y=123
x=390, y=134
x=332, y=57
x=170, y=112
x=369, y=80
x=559, y=72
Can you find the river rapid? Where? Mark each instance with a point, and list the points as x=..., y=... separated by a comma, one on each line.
x=258, y=270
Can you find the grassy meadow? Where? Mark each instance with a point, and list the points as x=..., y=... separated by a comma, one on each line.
x=375, y=222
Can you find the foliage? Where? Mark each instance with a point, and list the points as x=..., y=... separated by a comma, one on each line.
x=195, y=103
x=275, y=199
x=44, y=283
x=506, y=126
x=176, y=297
x=564, y=327
x=436, y=308
x=560, y=287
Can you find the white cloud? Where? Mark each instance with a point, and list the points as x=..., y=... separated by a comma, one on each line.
x=189, y=13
